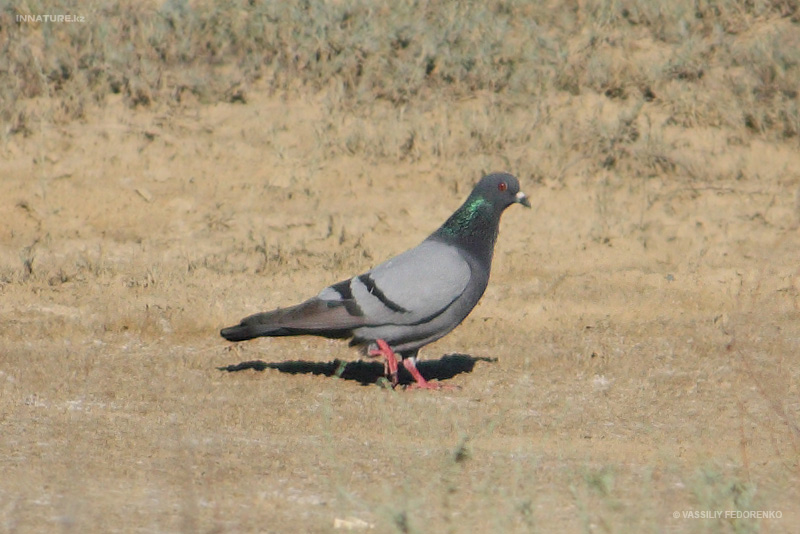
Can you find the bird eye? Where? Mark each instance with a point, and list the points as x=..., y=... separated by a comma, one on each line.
x=502, y=186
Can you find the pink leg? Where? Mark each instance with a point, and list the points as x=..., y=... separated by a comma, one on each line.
x=390, y=363
x=420, y=382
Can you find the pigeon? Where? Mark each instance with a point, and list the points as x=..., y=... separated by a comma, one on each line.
x=411, y=299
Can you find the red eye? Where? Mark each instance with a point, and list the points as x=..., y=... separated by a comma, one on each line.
x=502, y=186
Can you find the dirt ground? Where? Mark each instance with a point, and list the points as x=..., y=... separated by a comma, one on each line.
x=634, y=359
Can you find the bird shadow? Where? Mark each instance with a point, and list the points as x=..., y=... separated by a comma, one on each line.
x=367, y=373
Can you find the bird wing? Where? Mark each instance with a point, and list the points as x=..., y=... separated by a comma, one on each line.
x=408, y=289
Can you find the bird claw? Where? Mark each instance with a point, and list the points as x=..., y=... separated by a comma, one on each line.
x=390, y=369
x=390, y=360
x=419, y=380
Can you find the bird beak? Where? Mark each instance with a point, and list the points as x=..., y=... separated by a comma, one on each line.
x=522, y=198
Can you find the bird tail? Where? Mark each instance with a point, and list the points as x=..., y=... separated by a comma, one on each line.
x=313, y=317
x=243, y=330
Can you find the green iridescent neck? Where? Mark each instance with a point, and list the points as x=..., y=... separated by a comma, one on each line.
x=473, y=229
x=475, y=211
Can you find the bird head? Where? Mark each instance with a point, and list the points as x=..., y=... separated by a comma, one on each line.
x=501, y=189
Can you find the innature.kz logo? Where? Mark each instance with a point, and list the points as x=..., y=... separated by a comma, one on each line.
x=51, y=18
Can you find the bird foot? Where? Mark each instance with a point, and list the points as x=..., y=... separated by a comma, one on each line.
x=419, y=380
x=391, y=367
x=390, y=360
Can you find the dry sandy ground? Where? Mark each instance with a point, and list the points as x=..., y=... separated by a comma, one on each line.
x=636, y=353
